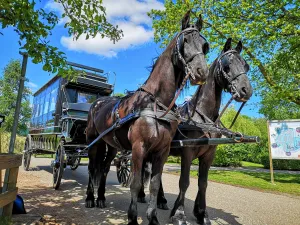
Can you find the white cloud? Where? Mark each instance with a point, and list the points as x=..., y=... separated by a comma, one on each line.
x=32, y=85
x=129, y=15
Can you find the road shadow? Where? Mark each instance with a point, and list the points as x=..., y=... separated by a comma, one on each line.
x=67, y=205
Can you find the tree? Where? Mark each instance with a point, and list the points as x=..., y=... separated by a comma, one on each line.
x=269, y=31
x=9, y=84
x=34, y=25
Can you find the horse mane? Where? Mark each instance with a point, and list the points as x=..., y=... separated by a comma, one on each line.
x=166, y=53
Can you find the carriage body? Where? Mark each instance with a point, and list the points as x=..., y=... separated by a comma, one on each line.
x=59, y=116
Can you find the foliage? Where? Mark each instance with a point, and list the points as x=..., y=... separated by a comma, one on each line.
x=276, y=108
x=280, y=164
x=19, y=144
x=248, y=152
x=269, y=31
x=34, y=25
x=9, y=85
x=228, y=155
x=285, y=183
x=119, y=94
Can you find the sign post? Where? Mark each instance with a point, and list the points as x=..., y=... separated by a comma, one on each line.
x=284, y=141
x=270, y=155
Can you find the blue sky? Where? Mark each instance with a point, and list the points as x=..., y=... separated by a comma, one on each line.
x=129, y=58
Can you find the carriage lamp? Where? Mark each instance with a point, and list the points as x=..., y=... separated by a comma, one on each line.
x=2, y=119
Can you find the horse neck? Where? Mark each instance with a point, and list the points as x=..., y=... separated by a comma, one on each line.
x=209, y=99
x=163, y=80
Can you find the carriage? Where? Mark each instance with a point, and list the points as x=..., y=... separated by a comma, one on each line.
x=59, y=119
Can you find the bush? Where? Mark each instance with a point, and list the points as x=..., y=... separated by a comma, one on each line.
x=19, y=144
x=174, y=159
x=228, y=155
x=280, y=164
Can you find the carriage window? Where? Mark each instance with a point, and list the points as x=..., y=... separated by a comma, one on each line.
x=86, y=97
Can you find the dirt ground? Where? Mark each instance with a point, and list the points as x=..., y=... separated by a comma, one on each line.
x=225, y=204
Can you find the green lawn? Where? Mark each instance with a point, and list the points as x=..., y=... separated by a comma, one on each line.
x=251, y=165
x=284, y=183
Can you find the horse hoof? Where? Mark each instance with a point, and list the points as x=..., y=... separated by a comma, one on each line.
x=179, y=218
x=154, y=221
x=89, y=203
x=133, y=223
x=163, y=206
x=204, y=221
x=142, y=200
x=176, y=221
x=101, y=204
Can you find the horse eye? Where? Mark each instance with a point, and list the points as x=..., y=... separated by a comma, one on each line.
x=205, y=48
x=247, y=67
x=226, y=68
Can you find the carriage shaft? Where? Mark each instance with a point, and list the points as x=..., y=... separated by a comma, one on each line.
x=213, y=141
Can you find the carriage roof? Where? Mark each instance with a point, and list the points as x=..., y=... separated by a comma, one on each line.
x=48, y=102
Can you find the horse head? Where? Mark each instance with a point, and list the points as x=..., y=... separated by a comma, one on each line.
x=190, y=50
x=232, y=72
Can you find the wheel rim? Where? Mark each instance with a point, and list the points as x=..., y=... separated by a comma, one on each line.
x=123, y=173
x=57, y=171
x=75, y=164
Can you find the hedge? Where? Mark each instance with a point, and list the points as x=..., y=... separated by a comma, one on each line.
x=19, y=144
x=280, y=164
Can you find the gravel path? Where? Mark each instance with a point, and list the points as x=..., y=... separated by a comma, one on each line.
x=226, y=204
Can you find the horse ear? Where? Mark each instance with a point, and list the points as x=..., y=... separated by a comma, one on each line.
x=227, y=45
x=199, y=23
x=239, y=47
x=186, y=20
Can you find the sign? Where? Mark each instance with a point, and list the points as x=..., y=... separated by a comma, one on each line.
x=284, y=139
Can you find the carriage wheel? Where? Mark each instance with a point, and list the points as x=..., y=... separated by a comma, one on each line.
x=123, y=172
x=58, y=166
x=75, y=163
x=27, y=154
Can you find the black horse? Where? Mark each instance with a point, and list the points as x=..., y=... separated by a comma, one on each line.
x=141, y=120
x=228, y=72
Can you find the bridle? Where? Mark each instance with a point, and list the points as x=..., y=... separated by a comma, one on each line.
x=221, y=74
x=177, y=57
x=179, y=60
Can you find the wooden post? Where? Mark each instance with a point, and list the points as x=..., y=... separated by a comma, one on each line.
x=11, y=175
x=270, y=154
x=9, y=162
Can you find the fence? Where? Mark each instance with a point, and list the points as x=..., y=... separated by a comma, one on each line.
x=9, y=162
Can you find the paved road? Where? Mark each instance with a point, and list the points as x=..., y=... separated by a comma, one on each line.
x=226, y=204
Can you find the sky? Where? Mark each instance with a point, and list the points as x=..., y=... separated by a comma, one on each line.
x=130, y=58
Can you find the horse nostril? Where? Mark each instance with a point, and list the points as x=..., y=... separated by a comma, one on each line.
x=199, y=71
x=243, y=91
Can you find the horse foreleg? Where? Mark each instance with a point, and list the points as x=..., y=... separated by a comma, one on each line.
x=177, y=213
x=158, y=162
x=111, y=153
x=142, y=195
x=199, y=211
x=136, y=183
x=90, y=199
x=161, y=200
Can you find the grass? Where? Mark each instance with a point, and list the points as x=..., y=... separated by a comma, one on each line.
x=284, y=183
x=251, y=165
